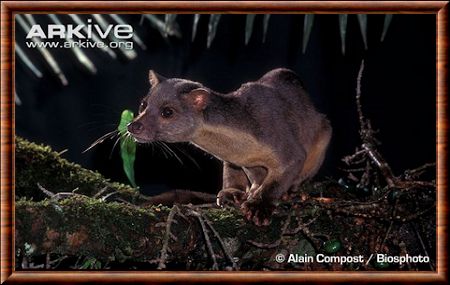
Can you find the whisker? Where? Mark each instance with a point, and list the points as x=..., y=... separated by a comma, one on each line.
x=102, y=139
x=163, y=149
x=114, y=146
x=157, y=144
x=173, y=153
x=169, y=155
x=187, y=155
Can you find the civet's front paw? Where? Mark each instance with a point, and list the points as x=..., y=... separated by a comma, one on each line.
x=231, y=197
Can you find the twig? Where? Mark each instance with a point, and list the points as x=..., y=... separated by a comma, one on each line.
x=47, y=261
x=25, y=262
x=416, y=172
x=419, y=237
x=45, y=191
x=207, y=205
x=358, y=97
x=101, y=192
x=302, y=226
x=381, y=164
x=170, y=219
x=350, y=159
x=104, y=198
x=60, y=195
x=364, y=181
x=393, y=215
x=361, y=169
x=207, y=240
x=370, y=155
x=222, y=243
x=57, y=261
x=380, y=247
x=406, y=185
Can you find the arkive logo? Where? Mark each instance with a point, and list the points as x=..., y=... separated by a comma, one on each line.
x=69, y=31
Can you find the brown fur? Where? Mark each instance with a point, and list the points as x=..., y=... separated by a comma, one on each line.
x=267, y=133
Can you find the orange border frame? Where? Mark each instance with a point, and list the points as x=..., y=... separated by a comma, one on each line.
x=9, y=8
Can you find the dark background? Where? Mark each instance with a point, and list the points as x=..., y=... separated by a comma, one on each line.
x=398, y=91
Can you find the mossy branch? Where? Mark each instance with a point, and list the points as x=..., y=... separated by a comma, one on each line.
x=40, y=164
x=122, y=232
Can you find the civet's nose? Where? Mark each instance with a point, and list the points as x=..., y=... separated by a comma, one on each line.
x=135, y=127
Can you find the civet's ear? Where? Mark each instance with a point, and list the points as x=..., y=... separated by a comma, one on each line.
x=155, y=78
x=198, y=98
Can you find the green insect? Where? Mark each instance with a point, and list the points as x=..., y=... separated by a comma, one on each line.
x=127, y=146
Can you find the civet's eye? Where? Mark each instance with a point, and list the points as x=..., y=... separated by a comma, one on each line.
x=167, y=112
x=142, y=106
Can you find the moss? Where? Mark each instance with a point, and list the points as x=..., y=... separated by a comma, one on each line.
x=86, y=226
x=230, y=223
x=40, y=164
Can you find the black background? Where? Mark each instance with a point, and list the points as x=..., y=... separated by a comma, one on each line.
x=398, y=90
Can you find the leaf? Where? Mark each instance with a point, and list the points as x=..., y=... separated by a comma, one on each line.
x=17, y=100
x=104, y=24
x=265, y=26
x=307, y=27
x=128, y=154
x=135, y=36
x=343, y=30
x=27, y=60
x=194, y=26
x=169, y=23
x=386, y=24
x=49, y=58
x=250, y=20
x=94, y=38
x=127, y=146
x=76, y=50
x=173, y=30
x=212, y=28
x=126, y=117
x=88, y=263
x=362, y=19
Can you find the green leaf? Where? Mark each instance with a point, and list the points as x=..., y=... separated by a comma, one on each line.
x=91, y=263
x=250, y=20
x=212, y=28
x=343, y=30
x=194, y=26
x=265, y=26
x=362, y=19
x=125, y=118
x=387, y=23
x=307, y=27
x=127, y=146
